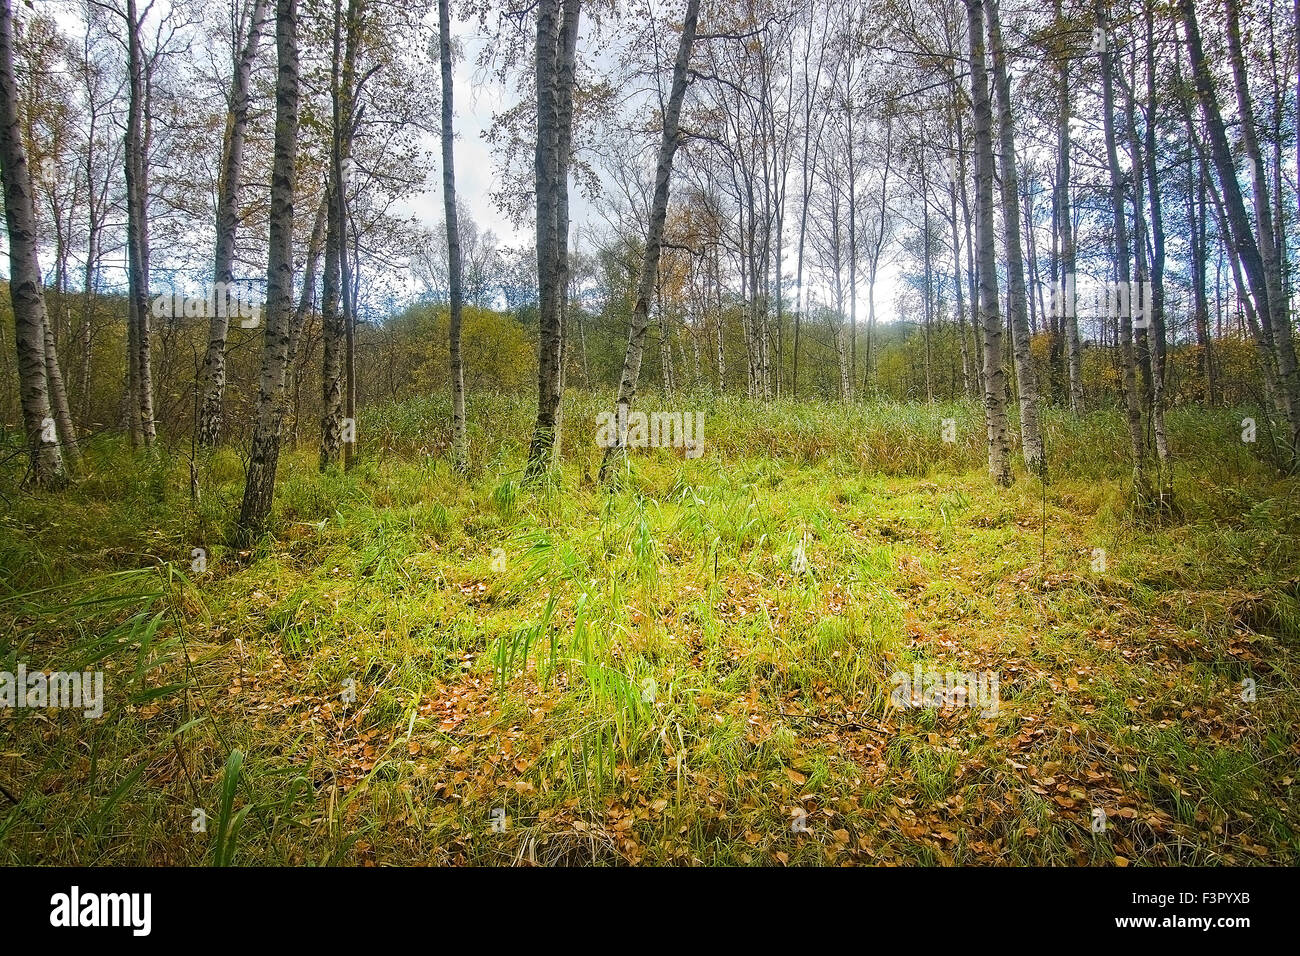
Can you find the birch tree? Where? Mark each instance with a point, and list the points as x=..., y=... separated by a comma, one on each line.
x=259, y=483
x=1063, y=222
x=140, y=416
x=337, y=302
x=1030, y=438
x=654, y=242
x=556, y=50
x=995, y=393
x=1123, y=271
x=1256, y=264
x=212, y=376
x=459, y=442
x=25, y=286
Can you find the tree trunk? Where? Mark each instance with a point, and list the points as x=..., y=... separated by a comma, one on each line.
x=850, y=148
x=1132, y=401
x=548, y=170
x=140, y=376
x=807, y=172
x=967, y=380
x=1246, y=247
x=1200, y=302
x=1064, y=277
x=926, y=247
x=297, y=360
x=1156, y=305
x=1278, y=313
x=336, y=300
x=212, y=378
x=259, y=486
x=654, y=242
x=1027, y=379
x=565, y=75
x=67, y=432
x=459, y=441
x=332, y=334
x=310, y=266
x=349, y=265
x=972, y=267
x=995, y=395
x=25, y=289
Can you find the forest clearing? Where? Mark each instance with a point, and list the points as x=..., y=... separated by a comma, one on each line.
x=653, y=677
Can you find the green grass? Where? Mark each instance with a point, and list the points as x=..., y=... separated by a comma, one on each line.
x=653, y=675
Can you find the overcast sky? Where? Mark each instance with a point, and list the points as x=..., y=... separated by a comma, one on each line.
x=475, y=104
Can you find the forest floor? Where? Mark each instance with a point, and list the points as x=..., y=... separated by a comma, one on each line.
x=415, y=667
